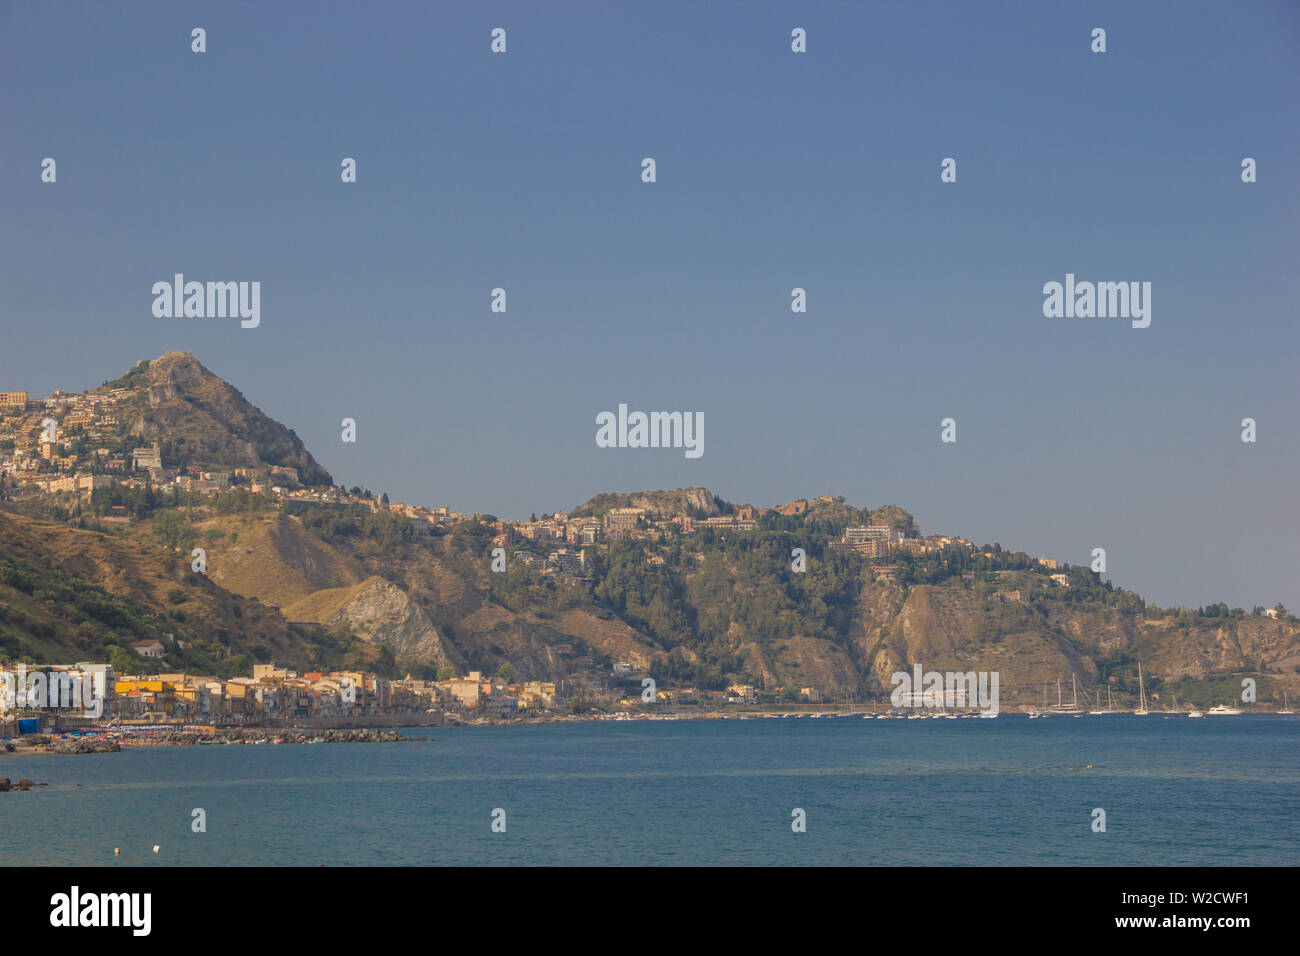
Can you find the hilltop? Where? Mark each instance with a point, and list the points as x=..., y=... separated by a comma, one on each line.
x=197, y=418
x=696, y=502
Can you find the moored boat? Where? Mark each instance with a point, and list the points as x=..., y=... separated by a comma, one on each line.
x=1142, y=689
x=1223, y=709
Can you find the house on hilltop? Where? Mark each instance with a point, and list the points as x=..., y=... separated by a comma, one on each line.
x=151, y=648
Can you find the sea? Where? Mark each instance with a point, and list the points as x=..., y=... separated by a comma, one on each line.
x=1220, y=791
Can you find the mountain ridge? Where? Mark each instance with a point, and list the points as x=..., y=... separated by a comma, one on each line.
x=345, y=577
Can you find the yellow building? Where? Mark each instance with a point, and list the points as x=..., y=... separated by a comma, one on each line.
x=155, y=697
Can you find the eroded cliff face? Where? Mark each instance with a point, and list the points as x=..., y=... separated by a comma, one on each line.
x=382, y=614
x=949, y=627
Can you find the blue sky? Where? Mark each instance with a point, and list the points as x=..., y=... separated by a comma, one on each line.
x=775, y=170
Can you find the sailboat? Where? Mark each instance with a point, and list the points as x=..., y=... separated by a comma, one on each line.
x=1142, y=688
x=1173, y=710
x=1286, y=705
x=1099, y=710
x=1072, y=708
x=1033, y=714
x=1075, y=709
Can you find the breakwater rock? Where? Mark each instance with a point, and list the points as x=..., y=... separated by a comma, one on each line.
x=85, y=745
x=254, y=735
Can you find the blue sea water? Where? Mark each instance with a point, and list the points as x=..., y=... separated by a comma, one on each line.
x=1219, y=791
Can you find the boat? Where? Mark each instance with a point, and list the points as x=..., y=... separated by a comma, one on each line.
x=1099, y=710
x=1071, y=708
x=1142, y=688
x=1195, y=713
x=1035, y=713
x=1286, y=705
x=1223, y=709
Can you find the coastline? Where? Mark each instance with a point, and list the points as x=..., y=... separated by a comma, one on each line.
x=116, y=739
x=89, y=743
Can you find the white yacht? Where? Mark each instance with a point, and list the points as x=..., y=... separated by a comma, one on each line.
x=1223, y=709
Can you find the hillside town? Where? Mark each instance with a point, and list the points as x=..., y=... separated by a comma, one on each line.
x=73, y=444
x=49, y=698
x=71, y=695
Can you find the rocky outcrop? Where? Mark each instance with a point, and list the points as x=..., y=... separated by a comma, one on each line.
x=682, y=501
x=84, y=745
x=381, y=613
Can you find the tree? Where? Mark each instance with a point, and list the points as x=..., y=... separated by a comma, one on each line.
x=172, y=529
x=122, y=660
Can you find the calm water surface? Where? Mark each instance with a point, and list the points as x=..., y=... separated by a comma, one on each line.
x=1219, y=791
